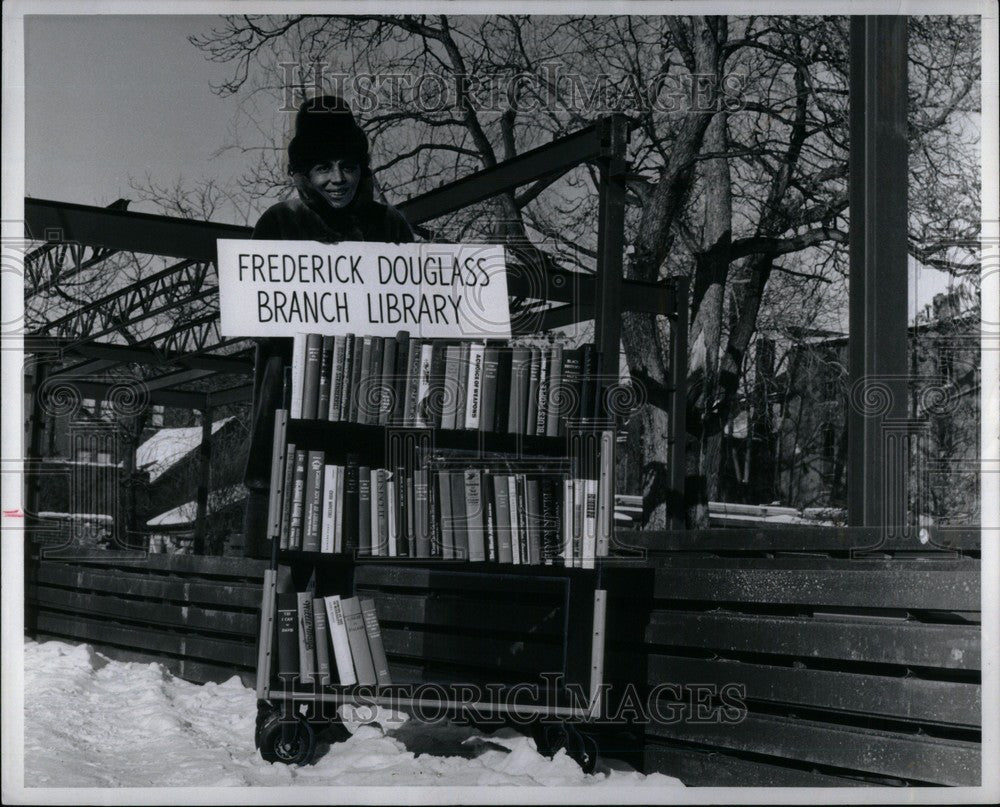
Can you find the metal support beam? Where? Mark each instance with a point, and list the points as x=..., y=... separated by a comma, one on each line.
x=878, y=275
x=610, y=251
x=124, y=354
x=676, y=510
x=204, y=481
x=181, y=400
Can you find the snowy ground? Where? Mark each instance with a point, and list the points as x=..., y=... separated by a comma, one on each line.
x=94, y=722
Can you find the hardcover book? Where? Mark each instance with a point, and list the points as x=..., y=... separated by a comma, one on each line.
x=475, y=533
x=325, y=374
x=287, y=619
x=322, y=641
x=298, y=499
x=306, y=637
x=364, y=667
x=364, y=510
x=313, y=503
x=375, y=645
x=341, y=643
x=310, y=375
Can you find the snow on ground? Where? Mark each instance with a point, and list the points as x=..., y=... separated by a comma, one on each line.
x=94, y=722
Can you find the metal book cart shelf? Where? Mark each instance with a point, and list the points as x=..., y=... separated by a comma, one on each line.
x=558, y=690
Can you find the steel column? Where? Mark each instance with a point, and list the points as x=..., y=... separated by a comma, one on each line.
x=204, y=480
x=676, y=510
x=878, y=274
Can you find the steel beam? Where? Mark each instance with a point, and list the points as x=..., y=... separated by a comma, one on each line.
x=878, y=273
x=98, y=390
x=124, y=354
x=241, y=394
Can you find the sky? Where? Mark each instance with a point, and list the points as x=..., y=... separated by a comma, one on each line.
x=112, y=97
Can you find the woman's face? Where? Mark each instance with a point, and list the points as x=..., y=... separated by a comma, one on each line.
x=337, y=180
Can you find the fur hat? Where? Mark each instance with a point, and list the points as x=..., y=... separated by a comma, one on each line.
x=325, y=129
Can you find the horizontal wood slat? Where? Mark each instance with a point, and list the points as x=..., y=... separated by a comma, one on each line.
x=190, y=616
x=906, y=698
x=474, y=651
x=372, y=576
x=795, y=538
x=898, y=588
x=177, y=564
x=908, y=756
x=903, y=642
x=137, y=584
x=178, y=644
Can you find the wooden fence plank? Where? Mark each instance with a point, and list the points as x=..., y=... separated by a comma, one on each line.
x=467, y=579
x=906, y=698
x=908, y=756
x=473, y=651
x=904, y=643
x=137, y=584
x=177, y=644
x=190, y=616
x=899, y=589
x=177, y=564
x=795, y=538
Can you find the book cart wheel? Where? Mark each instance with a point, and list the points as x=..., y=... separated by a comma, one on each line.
x=291, y=741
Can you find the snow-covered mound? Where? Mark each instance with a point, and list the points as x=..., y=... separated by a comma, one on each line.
x=94, y=722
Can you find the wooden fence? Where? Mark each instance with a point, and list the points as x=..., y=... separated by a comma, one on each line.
x=857, y=669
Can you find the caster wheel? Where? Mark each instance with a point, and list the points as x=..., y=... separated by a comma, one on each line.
x=292, y=744
x=582, y=748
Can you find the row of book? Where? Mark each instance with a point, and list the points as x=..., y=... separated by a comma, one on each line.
x=523, y=512
x=412, y=382
x=309, y=627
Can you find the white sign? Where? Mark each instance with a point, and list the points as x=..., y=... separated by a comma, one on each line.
x=280, y=288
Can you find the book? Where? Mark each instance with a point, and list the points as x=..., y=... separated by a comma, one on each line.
x=312, y=507
x=516, y=544
x=543, y=391
x=519, y=510
x=447, y=526
x=491, y=367
x=336, y=377
x=474, y=385
x=533, y=519
x=556, y=396
x=380, y=519
x=325, y=373
x=298, y=499
x=462, y=385
x=287, y=494
x=518, y=402
x=310, y=375
x=449, y=405
x=357, y=373
x=433, y=516
x=566, y=553
x=551, y=540
x=322, y=642
x=364, y=510
x=424, y=417
x=298, y=370
x=375, y=645
x=501, y=412
x=276, y=491
x=286, y=619
x=489, y=517
x=421, y=524
x=501, y=498
x=372, y=395
x=589, y=545
x=438, y=388
x=402, y=513
x=531, y=413
x=412, y=382
x=605, y=492
x=348, y=378
x=349, y=518
x=364, y=668
x=388, y=388
x=579, y=500
x=391, y=515
x=338, y=515
x=306, y=637
x=341, y=643
x=362, y=390
x=588, y=383
x=399, y=377
x=460, y=524
x=327, y=535
x=475, y=532
x=570, y=382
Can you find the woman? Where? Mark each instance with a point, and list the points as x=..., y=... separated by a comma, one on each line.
x=328, y=160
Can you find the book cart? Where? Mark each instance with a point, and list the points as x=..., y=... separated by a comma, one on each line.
x=291, y=714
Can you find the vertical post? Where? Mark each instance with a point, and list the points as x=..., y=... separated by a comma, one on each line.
x=878, y=252
x=610, y=248
x=676, y=511
x=204, y=478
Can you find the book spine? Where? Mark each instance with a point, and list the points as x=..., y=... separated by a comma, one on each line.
x=501, y=497
x=372, y=395
x=534, y=367
x=399, y=378
x=462, y=387
x=518, y=404
x=437, y=395
x=579, y=499
x=400, y=513
x=375, y=644
x=433, y=516
x=605, y=492
x=444, y=513
x=287, y=494
x=387, y=389
x=307, y=637
x=491, y=366
x=521, y=500
x=313, y=502
x=338, y=637
x=298, y=499
x=391, y=510
x=489, y=517
x=276, y=491
x=310, y=375
x=515, y=524
x=501, y=414
x=449, y=406
x=421, y=522
x=474, y=515
x=588, y=383
x=532, y=513
x=364, y=668
x=357, y=373
x=412, y=382
x=298, y=374
x=380, y=494
x=287, y=620
x=459, y=515
x=589, y=523
x=411, y=528
x=543, y=391
x=350, y=508
x=424, y=405
x=336, y=378
x=474, y=385
x=362, y=409
x=566, y=553
x=345, y=387
x=338, y=511
x=557, y=396
x=325, y=373
x=322, y=641
x=570, y=382
x=364, y=510
x=550, y=520
x=327, y=541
